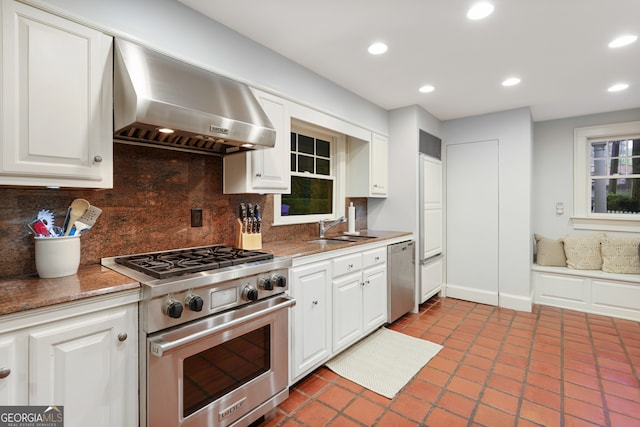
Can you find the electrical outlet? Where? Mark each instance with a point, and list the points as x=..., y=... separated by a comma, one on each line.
x=196, y=217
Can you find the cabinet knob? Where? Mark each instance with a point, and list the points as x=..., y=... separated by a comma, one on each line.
x=122, y=336
x=258, y=174
x=315, y=302
x=97, y=159
x=4, y=372
x=350, y=266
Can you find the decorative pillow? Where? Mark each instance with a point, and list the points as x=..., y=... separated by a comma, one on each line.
x=620, y=255
x=583, y=251
x=550, y=252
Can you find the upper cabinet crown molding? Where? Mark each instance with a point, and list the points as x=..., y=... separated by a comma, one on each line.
x=56, y=101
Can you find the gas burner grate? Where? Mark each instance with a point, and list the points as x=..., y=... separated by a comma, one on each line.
x=162, y=265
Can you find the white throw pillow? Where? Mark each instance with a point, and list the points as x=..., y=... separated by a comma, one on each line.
x=583, y=251
x=620, y=255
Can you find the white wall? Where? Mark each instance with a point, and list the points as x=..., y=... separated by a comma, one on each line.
x=513, y=130
x=399, y=211
x=553, y=169
x=172, y=28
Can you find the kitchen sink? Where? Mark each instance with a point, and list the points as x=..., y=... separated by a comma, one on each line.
x=337, y=240
x=352, y=238
x=329, y=241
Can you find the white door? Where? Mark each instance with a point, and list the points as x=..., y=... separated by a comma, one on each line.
x=472, y=221
x=374, y=297
x=347, y=310
x=86, y=364
x=432, y=228
x=311, y=321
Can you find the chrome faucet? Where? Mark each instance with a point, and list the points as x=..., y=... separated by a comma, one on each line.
x=323, y=229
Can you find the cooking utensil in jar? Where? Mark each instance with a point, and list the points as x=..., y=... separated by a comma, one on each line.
x=78, y=208
x=89, y=218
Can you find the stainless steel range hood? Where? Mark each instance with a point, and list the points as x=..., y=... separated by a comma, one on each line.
x=207, y=113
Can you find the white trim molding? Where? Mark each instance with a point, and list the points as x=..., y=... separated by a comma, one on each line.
x=583, y=218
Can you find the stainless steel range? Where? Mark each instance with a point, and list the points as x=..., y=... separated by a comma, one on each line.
x=213, y=334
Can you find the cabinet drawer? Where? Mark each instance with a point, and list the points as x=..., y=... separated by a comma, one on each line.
x=347, y=264
x=374, y=256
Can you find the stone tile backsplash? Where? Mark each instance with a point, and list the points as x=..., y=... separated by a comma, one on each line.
x=148, y=209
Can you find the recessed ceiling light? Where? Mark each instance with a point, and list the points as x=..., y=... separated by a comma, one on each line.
x=623, y=40
x=480, y=10
x=511, y=81
x=618, y=87
x=377, y=48
x=427, y=89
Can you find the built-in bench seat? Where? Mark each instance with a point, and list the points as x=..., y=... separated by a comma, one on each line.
x=590, y=291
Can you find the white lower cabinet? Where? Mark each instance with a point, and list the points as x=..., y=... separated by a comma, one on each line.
x=431, y=278
x=359, y=296
x=13, y=369
x=87, y=363
x=311, y=325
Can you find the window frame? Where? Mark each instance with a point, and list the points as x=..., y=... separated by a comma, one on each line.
x=583, y=218
x=338, y=175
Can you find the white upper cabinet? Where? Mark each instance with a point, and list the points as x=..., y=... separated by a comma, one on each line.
x=367, y=167
x=56, y=99
x=264, y=170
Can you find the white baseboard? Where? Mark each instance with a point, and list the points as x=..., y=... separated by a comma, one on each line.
x=471, y=294
x=516, y=302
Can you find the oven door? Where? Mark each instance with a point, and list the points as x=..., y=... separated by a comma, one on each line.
x=215, y=371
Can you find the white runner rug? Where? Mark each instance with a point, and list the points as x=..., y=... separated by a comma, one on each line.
x=384, y=361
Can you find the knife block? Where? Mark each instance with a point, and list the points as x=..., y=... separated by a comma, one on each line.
x=247, y=240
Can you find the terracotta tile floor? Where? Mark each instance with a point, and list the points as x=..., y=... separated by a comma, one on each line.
x=499, y=367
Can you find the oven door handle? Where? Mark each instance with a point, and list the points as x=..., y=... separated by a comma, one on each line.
x=163, y=344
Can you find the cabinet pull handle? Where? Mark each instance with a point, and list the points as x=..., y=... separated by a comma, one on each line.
x=361, y=283
x=258, y=174
x=97, y=159
x=350, y=266
x=4, y=372
x=122, y=336
x=315, y=302
x=377, y=258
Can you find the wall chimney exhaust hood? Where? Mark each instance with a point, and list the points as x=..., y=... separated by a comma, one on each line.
x=166, y=103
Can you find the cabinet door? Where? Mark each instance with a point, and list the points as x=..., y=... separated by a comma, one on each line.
x=56, y=96
x=265, y=170
x=374, y=297
x=432, y=228
x=347, y=310
x=379, y=165
x=13, y=369
x=431, y=278
x=271, y=169
x=89, y=366
x=310, y=341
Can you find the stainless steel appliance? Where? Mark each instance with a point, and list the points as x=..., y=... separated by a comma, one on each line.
x=401, y=279
x=213, y=334
x=165, y=103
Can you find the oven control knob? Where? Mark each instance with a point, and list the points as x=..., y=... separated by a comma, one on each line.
x=173, y=309
x=280, y=280
x=250, y=293
x=265, y=283
x=194, y=302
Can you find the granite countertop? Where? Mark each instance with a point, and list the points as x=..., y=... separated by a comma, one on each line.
x=298, y=248
x=27, y=293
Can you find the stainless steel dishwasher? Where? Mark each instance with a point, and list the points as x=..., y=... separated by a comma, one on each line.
x=401, y=283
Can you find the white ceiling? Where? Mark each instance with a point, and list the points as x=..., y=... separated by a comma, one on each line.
x=558, y=48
